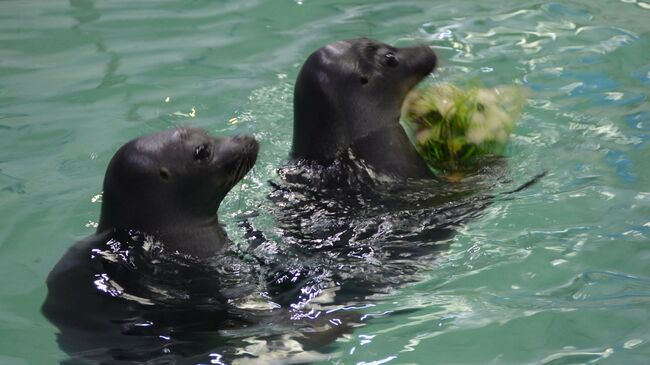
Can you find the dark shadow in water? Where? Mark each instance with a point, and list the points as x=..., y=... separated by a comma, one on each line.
x=85, y=12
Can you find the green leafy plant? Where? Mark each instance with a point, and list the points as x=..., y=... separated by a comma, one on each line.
x=452, y=128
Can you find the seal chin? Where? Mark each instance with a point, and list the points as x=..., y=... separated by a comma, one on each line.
x=247, y=156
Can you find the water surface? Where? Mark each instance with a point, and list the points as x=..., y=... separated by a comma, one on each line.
x=557, y=274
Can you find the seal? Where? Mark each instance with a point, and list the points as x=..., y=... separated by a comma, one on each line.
x=356, y=196
x=156, y=265
x=348, y=99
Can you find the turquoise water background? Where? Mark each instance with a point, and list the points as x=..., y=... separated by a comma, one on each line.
x=560, y=274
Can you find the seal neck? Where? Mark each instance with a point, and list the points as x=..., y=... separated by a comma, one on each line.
x=389, y=151
x=203, y=238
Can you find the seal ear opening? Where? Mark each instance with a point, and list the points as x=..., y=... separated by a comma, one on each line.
x=164, y=173
x=363, y=80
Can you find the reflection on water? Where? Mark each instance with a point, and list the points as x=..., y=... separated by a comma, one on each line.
x=364, y=235
x=136, y=302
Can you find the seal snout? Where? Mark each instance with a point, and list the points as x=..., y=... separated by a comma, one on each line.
x=249, y=147
x=422, y=59
x=242, y=151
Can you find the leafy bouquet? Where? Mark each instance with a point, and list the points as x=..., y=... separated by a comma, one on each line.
x=452, y=128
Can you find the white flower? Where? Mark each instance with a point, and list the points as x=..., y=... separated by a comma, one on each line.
x=489, y=122
x=444, y=99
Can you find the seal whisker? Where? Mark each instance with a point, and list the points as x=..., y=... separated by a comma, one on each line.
x=237, y=176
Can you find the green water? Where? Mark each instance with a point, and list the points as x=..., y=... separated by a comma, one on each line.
x=560, y=274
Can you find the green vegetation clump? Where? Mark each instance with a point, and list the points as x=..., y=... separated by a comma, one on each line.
x=452, y=128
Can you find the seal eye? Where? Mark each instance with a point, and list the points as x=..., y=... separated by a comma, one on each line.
x=363, y=80
x=202, y=152
x=164, y=173
x=391, y=60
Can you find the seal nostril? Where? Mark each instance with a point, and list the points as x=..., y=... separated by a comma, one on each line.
x=164, y=173
x=363, y=80
x=202, y=152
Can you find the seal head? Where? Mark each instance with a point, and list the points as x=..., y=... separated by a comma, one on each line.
x=348, y=99
x=170, y=184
